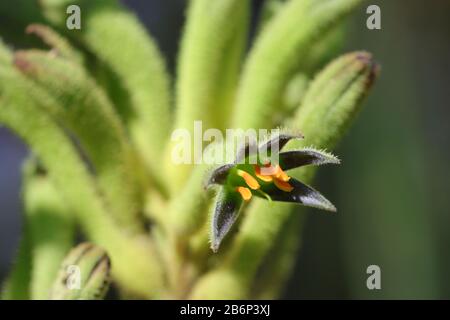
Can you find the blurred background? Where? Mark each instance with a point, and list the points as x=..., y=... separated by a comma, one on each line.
x=392, y=190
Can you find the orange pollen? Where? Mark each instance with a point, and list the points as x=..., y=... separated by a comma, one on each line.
x=260, y=176
x=249, y=180
x=271, y=172
x=245, y=193
x=283, y=185
x=282, y=175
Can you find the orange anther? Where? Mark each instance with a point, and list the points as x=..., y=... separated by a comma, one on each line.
x=282, y=175
x=264, y=178
x=283, y=185
x=249, y=180
x=245, y=193
x=269, y=170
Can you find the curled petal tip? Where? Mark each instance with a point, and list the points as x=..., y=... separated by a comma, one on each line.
x=215, y=247
x=217, y=176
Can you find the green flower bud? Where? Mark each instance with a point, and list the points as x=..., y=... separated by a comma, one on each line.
x=85, y=274
x=334, y=98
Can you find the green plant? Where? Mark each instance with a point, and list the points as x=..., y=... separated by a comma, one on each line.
x=96, y=111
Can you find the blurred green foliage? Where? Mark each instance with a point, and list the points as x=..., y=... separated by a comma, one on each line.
x=391, y=190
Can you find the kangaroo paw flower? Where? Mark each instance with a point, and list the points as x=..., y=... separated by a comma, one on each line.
x=261, y=172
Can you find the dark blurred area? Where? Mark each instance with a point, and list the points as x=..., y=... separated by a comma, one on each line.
x=392, y=188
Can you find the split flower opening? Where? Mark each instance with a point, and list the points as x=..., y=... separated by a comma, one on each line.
x=242, y=180
x=272, y=174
